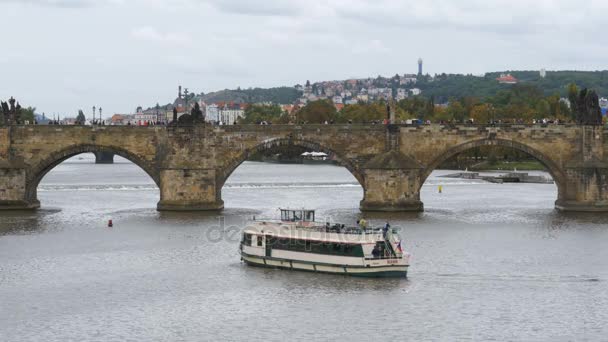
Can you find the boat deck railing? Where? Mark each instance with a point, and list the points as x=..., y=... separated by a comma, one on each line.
x=323, y=227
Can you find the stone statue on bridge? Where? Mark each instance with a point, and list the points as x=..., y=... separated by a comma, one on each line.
x=8, y=114
x=3, y=113
x=587, y=108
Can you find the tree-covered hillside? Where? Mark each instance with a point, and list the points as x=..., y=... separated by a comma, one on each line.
x=442, y=87
x=254, y=95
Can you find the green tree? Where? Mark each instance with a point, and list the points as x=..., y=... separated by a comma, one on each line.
x=255, y=114
x=482, y=113
x=27, y=114
x=316, y=112
x=363, y=112
x=543, y=109
x=456, y=111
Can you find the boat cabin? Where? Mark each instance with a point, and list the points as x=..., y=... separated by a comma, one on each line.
x=297, y=215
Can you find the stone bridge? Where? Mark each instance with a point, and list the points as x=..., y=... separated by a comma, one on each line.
x=191, y=164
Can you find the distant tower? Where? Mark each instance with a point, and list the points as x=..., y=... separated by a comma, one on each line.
x=543, y=73
x=419, y=66
x=179, y=93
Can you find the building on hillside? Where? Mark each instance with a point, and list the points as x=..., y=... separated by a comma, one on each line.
x=603, y=102
x=401, y=94
x=363, y=97
x=287, y=108
x=543, y=73
x=122, y=119
x=142, y=117
x=415, y=91
x=408, y=79
x=337, y=99
x=213, y=113
x=156, y=114
x=507, y=79
x=351, y=102
x=230, y=113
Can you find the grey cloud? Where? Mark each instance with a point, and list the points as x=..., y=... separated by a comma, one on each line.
x=258, y=7
x=63, y=3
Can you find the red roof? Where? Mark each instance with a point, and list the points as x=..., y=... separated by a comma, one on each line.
x=507, y=79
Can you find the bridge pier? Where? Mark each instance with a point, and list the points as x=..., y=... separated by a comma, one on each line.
x=13, y=193
x=392, y=183
x=104, y=158
x=189, y=190
x=586, y=189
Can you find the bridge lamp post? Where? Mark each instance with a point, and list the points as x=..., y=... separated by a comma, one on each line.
x=93, y=115
x=100, y=119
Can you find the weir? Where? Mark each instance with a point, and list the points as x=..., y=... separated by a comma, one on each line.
x=190, y=164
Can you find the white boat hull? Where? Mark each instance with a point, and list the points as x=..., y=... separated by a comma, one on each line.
x=352, y=270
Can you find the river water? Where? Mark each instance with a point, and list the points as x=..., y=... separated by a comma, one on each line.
x=490, y=262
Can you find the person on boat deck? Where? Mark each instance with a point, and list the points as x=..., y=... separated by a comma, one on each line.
x=385, y=229
x=363, y=224
x=376, y=252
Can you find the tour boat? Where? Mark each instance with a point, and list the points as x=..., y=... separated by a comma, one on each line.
x=297, y=242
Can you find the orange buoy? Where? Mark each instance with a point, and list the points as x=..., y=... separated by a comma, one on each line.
x=110, y=224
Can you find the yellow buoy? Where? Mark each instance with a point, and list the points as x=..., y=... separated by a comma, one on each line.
x=440, y=188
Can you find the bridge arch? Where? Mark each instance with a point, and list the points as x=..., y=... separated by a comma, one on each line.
x=282, y=143
x=37, y=171
x=556, y=172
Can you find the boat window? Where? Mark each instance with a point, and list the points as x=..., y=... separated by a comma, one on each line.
x=284, y=215
x=260, y=240
x=247, y=239
x=327, y=248
x=297, y=215
x=310, y=216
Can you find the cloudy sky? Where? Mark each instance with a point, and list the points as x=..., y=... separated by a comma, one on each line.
x=61, y=55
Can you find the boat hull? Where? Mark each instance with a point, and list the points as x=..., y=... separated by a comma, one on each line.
x=392, y=271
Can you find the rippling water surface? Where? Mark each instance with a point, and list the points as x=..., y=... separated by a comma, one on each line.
x=490, y=262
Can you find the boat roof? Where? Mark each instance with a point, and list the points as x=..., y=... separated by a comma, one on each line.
x=281, y=229
x=297, y=209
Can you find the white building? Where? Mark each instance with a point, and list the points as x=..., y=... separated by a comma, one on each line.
x=213, y=113
x=603, y=102
x=363, y=97
x=416, y=91
x=401, y=94
x=230, y=114
x=337, y=99
x=543, y=73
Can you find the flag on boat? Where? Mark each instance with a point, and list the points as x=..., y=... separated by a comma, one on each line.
x=399, y=247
